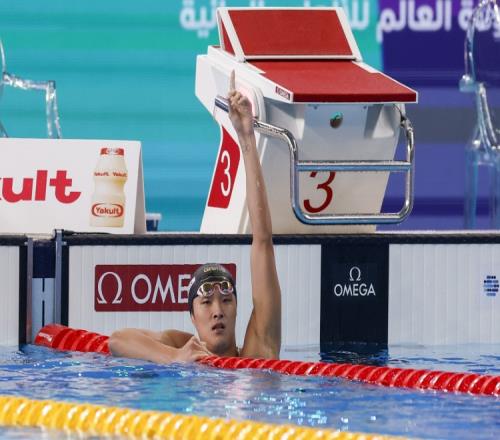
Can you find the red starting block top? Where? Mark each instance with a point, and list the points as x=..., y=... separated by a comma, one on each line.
x=333, y=81
x=256, y=33
x=308, y=53
x=288, y=33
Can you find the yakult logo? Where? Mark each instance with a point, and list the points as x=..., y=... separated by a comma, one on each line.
x=36, y=188
x=107, y=210
x=146, y=288
x=355, y=286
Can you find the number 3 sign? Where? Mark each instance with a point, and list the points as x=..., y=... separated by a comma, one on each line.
x=225, y=172
x=328, y=194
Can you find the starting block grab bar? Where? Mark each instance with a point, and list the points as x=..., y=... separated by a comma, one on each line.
x=297, y=166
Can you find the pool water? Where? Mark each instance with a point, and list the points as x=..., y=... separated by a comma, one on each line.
x=471, y=358
x=41, y=373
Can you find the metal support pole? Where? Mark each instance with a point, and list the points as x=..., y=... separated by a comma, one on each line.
x=29, y=290
x=297, y=166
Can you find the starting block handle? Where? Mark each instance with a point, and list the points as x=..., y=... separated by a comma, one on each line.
x=297, y=166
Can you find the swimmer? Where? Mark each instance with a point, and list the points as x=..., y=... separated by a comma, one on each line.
x=212, y=294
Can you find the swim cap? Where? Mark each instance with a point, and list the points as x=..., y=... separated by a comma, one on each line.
x=207, y=272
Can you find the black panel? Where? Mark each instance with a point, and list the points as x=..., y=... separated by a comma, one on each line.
x=354, y=292
x=23, y=293
x=13, y=240
x=44, y=257
x=162, y=239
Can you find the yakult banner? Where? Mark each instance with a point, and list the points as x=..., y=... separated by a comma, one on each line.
x=79, y=185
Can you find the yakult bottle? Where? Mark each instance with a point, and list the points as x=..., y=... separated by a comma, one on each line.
x=108, y=199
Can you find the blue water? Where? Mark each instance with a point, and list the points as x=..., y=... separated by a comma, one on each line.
x=265, y=396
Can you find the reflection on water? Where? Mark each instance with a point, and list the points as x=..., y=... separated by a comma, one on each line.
x=262, y=395
x=369, y=354
x=473, y=358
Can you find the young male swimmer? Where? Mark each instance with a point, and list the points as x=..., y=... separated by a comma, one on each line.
x=212, y=294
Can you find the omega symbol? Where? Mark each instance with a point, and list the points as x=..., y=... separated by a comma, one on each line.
x=354, y=287
x=355, y=270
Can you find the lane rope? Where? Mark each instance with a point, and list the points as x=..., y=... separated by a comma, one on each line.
x=64, y=338
x=100, y=420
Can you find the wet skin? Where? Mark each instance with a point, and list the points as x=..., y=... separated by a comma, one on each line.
x=215, y=318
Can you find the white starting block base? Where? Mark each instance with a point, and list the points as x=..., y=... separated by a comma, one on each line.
x=318, y=89
x=322, y=192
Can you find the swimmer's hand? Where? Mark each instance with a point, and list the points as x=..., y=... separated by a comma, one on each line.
x=192, y=351
x=240, y=110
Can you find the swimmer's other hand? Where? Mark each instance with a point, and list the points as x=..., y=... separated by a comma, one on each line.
x=192, y=351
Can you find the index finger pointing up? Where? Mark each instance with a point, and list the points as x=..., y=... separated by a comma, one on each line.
x=232, y=81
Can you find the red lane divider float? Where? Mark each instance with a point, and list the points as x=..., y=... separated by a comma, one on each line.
x=60, y=337
x=386, y=376
x=65, y=338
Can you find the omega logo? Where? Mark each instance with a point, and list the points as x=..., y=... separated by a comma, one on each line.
x=355, y=270
x=355, y=287
x=143, y=289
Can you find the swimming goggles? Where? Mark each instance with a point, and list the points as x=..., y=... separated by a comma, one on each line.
x=208, y=288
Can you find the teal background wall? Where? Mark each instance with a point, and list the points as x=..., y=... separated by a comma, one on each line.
x=125, y=70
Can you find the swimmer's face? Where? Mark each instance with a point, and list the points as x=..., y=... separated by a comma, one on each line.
x=214, y=318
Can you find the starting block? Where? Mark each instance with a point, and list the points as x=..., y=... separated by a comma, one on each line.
x=327, y=124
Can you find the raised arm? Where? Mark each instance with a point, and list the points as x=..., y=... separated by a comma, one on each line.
x=263, y=335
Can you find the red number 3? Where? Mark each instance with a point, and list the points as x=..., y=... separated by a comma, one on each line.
x=325, y=186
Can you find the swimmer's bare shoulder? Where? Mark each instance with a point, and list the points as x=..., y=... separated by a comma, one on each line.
x=174, y=338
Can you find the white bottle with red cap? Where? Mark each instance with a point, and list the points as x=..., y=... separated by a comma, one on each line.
x=108, y=199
